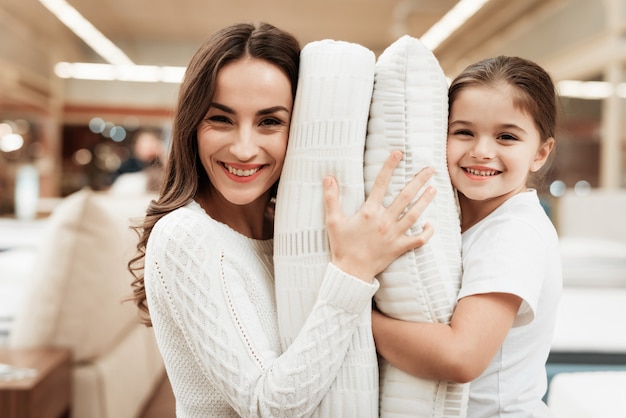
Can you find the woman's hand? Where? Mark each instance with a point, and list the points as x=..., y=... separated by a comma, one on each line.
x=364, y=244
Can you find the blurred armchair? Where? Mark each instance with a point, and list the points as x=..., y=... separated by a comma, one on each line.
x=75, y=299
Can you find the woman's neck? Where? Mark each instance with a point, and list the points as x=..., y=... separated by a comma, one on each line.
x=250, y=220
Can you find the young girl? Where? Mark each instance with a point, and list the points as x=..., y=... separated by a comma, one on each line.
x=501, y=128
x=205, y=271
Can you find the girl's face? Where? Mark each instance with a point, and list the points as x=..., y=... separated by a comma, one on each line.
x=492, y=145
x=243, y=138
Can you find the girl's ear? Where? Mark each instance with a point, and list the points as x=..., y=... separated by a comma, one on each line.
x=542, y=154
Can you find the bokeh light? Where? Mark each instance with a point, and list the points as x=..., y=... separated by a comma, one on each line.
x=96, y=125
x=582, y=188
x=82, y=156
x=558, y=188
x=11, y=142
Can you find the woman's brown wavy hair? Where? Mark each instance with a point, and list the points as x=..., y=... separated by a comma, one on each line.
x=184, y=174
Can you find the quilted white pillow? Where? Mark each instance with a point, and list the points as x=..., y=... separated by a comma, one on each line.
x=409, y=112
x=327, y=137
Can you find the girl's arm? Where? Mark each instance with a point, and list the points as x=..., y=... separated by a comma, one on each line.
x=458, y=352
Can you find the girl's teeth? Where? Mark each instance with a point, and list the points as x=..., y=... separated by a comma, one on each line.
x=481, y=172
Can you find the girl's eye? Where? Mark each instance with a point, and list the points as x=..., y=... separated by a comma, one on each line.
x=507, y=137
x=463, y=132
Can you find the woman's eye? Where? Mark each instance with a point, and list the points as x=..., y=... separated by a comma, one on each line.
x=218, y=119
x=271, y=122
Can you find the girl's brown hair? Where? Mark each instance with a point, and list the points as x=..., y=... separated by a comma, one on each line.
x=184, y=174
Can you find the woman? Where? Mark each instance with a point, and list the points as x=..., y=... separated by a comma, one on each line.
x=205, y=267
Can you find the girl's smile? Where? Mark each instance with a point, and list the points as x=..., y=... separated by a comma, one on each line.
x=492, y=147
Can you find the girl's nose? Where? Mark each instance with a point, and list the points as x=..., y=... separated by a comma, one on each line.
x=482, y=148
x=244, y=147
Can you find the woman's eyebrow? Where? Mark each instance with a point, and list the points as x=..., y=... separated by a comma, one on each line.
x=222, y=107
x=272, y=109
x=261, y=112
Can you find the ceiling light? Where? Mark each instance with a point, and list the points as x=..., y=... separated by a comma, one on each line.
x=108, y=72
x=587, y=89
x=87, y=32
x=450, y=22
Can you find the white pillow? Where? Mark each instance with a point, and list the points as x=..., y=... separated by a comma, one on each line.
x=409, y=112
x=327, y=137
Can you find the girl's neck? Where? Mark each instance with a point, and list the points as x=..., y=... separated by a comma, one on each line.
x=251, y=220
x=474, y=211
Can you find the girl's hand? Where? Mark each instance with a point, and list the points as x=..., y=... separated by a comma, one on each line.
x=364, y=244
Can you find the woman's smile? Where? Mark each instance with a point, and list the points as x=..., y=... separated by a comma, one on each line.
x=242, y=173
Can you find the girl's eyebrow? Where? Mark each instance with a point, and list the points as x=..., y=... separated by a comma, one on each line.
x=512, y=126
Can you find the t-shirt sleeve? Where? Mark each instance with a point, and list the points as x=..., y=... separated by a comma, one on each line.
x=506, y=257
x=214, y=307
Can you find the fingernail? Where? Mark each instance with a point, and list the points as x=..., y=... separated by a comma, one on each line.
x=430, y=170
x=397, y=155
x=326, y=182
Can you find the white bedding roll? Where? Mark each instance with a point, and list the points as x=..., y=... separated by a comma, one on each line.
x=327, y=137
x=409, y=112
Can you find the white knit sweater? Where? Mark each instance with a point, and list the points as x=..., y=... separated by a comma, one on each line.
x=211, y=296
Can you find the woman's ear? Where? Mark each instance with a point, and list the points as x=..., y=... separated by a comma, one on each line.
x=542, y=154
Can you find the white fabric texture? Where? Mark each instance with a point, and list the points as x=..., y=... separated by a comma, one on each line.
x=409, y=112
x=515, y=250
x=211, y=296
x=327, y=137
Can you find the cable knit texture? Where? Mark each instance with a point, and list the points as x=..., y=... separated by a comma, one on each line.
x=211, y=296
x=409, y=112
x=327, y=137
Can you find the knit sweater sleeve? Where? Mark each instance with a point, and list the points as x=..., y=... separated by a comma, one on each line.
x=195, y=280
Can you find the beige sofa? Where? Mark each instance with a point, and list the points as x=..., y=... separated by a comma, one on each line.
x=75, y=299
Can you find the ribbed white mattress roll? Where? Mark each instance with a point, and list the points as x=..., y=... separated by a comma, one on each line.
x=409, y=112
x=327, y=137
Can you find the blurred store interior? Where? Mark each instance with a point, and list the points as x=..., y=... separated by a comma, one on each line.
x=75, y=131
x=78, y=78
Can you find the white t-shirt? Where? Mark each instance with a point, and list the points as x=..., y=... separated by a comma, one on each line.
x=515, y=250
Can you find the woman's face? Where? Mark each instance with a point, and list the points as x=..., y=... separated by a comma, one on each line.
x=242, y=140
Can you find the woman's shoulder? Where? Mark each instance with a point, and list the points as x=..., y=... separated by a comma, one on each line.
x=190, y=218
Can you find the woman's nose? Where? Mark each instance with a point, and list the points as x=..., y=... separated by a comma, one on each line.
x=244, y=146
